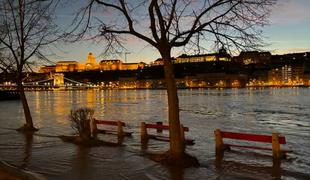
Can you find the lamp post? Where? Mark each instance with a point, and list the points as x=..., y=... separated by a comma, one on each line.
x=126, y=56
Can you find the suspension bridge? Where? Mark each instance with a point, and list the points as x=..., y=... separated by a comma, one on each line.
x=53, y=82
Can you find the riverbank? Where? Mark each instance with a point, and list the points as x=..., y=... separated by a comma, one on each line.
x=75, y=88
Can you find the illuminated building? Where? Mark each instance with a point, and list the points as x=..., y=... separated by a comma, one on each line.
x=108, y=65
x=116, y=64
x=132, y=66
x=286, y=74
x=72, y=66
x=90, y=65
x=47, y=69
x=159, y=62
x=222, y=55
x=66, y=66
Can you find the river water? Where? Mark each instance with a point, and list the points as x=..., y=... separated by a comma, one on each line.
x=259, y=111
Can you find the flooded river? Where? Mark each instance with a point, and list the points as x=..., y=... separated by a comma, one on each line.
x=260, y=111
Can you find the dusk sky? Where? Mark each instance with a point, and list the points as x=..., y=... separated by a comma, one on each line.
x=289, y=31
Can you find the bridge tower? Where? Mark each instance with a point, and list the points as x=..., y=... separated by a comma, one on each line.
x=58, y=79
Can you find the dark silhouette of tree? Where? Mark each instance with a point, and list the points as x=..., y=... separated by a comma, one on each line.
x=26, y=27
x=5, y=64
x=168, y=24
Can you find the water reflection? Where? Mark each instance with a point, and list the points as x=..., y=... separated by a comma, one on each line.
x=176, y=172
x=226, y=167
x=90, y=98
x=144, y=145
x=80, y=164
x=28, y=136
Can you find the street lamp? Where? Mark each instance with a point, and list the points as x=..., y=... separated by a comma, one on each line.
x=126, y=56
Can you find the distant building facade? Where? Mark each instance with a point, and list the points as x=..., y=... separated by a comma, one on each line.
x=66, y=66
x=253, y=57
x=286, y=74
x=222, y=55
x=47, y=69
x=116, y=64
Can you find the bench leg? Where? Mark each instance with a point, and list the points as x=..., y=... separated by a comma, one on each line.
x=276, y=151
x=143, y=132
x=94, y=128
x=219, y=147
x=120, y=131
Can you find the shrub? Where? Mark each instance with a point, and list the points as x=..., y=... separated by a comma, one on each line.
x=80, y=122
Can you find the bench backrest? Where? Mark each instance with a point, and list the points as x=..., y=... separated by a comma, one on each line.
x=163, y=127
x=251, y=137
x=108, y=122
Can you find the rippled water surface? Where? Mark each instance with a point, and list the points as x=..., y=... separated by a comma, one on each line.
x=260, y=111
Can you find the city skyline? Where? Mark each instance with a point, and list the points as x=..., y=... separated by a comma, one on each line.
x=287, y=33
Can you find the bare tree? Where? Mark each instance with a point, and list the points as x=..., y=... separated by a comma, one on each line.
x=26, y=27
x=168, y=24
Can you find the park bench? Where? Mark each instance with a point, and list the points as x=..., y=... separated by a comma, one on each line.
x=159, y=127
x=274, y=139
x=119, y=124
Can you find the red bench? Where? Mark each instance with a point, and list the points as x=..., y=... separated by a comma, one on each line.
x=159, y=127
x=275, y=139
x=120, y=131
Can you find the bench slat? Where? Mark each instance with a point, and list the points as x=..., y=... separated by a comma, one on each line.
x=164, y=127
x=251, y=137
x=249, y=147
x=108, y=122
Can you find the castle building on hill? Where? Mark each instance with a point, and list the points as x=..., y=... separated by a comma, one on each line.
x=90, y=65
x=74, y=66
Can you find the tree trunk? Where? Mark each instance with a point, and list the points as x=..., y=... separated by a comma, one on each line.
x=176, y=143
x=29, y=123
x=85, y=133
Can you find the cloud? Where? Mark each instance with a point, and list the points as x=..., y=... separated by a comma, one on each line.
x=290, y=11
x=290, y=50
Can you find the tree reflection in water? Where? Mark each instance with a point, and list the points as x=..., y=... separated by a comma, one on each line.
x=27, y=150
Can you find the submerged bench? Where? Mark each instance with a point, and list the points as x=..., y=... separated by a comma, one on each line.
x=119, y=124
x=159, y=127
x=275, y=139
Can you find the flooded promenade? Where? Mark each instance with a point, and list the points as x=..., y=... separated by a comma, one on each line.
x=251, y=110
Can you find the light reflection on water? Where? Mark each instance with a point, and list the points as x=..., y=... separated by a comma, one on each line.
x=202, y=110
